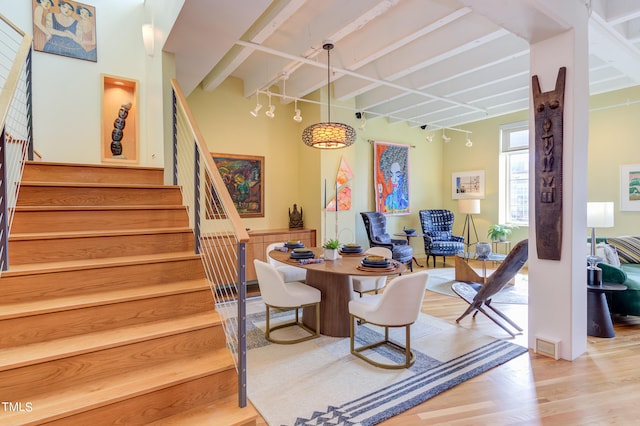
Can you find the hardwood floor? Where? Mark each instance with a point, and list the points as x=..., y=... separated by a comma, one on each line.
x=598, y=388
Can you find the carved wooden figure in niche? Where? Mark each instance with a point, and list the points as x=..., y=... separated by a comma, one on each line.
x=118, y=129
x=549, y=110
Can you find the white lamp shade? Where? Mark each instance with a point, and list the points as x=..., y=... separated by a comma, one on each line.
x=600, y=214
x=469, y=206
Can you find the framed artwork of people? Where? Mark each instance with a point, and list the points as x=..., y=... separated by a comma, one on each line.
x=66, y=28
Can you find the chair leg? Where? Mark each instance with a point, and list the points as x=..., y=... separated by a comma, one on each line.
x=409, y=355
x=296, y=322
x=504, y=317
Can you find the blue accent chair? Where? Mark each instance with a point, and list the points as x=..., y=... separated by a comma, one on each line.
x=376, y=225
x=437, y=227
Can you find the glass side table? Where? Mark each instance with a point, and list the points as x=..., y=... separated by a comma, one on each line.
x=464, y=272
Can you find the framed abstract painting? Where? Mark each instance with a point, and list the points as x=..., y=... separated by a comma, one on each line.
x=243, y=175
x=391, y=178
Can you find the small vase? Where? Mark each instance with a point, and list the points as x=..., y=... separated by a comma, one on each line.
x=330, y=254
x=483, y=250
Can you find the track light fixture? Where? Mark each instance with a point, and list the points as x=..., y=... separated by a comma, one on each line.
x=270, y=112
x=254, y=111
x=297, y=118
x=445, y=138
x=363, y=123
x=468, y=144
x=429, y=132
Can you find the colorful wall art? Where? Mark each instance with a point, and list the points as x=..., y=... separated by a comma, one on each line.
x=342, y=190
x=391, y=178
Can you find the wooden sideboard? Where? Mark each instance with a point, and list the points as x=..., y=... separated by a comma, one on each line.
x=260, y=239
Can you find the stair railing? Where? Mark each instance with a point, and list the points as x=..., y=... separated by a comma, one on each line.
x=15, y=125
x=220, y=235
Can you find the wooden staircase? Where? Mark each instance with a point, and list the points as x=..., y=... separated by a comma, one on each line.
x=106, y=316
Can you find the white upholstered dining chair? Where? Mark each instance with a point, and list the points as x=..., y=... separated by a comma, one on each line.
x=289, y=272
x=398, y=306
x=375, y=284
x=286, y=296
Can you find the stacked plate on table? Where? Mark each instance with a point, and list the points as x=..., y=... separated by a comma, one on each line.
x=351, y=249
x=375, y=262
x=293, y=244
x=301, y=253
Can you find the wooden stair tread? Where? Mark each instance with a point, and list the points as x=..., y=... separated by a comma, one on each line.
x=93, y=166
x=45, y=268
x=224, y=411
x=100, y=208
x=38, y=307
x=20, y=356
x=95, y=185
x=62, y=403
x=26, y=236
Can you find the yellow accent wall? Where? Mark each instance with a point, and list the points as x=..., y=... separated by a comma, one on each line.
x=614, y=134
x=228, y=128
x=483, y=155
x=295, y=173
x=614, y=130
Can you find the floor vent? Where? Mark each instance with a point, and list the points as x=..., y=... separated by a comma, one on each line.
x=548, y=347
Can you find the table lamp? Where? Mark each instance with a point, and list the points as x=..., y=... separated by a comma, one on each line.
x=599, y=215
x=469, y=207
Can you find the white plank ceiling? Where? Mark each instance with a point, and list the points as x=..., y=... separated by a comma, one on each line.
x=425, y=62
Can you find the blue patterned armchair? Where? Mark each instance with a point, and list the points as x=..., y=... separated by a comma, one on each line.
x=376, y=225
x=437, y=227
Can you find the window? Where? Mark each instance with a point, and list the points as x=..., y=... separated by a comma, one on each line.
x=514, y=174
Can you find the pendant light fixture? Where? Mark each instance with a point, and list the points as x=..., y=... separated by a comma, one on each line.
x=329, y=135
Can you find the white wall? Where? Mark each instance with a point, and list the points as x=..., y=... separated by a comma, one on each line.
x=67, y=98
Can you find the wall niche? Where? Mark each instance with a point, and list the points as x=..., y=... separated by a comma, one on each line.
x=119, y=128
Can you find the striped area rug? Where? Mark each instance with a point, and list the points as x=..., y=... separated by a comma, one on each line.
x=319, y=382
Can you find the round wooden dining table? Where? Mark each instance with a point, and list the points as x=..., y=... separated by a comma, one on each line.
x=332, y=278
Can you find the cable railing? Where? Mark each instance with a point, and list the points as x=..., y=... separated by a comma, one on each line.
x=15, y=125
x=220, y=235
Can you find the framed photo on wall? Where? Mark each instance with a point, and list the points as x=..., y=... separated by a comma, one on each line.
x=243, y=175
x=66, y=28
x=391, y=178
x=630, y=187
x=467, y=184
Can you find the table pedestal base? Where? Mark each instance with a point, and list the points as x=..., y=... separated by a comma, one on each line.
x=599, y=322
x=334, y=307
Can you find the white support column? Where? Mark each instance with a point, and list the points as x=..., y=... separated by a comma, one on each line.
x=558, y=35
x=557, y=292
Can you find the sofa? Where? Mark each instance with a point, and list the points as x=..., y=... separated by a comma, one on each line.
x=626, y=271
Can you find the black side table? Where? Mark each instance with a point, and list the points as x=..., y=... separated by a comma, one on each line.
x=599, y=322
